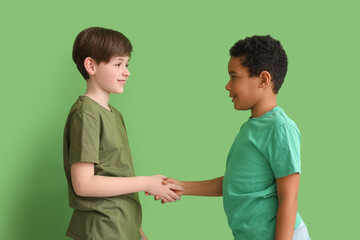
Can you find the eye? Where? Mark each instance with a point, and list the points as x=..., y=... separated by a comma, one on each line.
x=232, y=77
x=118, y=65
x=127, y=65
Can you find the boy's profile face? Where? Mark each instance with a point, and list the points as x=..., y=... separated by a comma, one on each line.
x=112, y=76
x=244, y=90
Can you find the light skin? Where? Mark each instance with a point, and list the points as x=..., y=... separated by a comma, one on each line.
x=256, y=94
x=104, y=79
x=143, y=236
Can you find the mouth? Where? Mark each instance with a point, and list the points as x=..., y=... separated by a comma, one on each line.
x=122, y=81
x=233, y=98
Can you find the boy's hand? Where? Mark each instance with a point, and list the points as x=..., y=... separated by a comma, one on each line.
x=155, y=186
x=169, y=181
x=172, y=181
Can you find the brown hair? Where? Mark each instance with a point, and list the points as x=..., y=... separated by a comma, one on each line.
x=100, y=44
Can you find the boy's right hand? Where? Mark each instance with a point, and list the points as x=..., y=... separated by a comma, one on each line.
x=155, y=186
x=171, y=181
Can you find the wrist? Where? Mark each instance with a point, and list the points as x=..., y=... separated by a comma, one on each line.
x=185, y=185
x=144, y=180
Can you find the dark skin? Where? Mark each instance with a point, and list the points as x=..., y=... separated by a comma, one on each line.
x=255, y=94
x=287, y=190
x=210, y=188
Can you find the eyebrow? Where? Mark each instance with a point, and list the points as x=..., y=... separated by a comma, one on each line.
x=121, y=59
x=232, y=72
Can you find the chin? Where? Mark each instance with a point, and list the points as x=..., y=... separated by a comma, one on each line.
x=241, y=108
x=119, y=91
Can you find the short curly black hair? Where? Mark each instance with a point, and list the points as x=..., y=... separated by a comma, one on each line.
x=262, y=53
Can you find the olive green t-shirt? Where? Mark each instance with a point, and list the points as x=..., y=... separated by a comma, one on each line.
x=95, y=134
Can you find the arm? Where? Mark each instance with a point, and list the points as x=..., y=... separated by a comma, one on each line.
x=210, y=188
x=87, y=184
x=143, y=236
x=287, y=189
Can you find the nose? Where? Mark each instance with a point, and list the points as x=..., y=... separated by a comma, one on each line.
x=227, y=86
x=126, y=72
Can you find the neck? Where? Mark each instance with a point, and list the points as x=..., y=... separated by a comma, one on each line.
x=263, y=107
x=98, y=95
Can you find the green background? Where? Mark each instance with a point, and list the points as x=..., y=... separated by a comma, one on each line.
x=180, y=119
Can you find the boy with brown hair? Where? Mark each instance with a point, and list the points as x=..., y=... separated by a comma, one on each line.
x=102, y=186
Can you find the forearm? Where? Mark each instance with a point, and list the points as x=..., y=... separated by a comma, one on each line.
x=285, y=219
x=143, y=236
x=101, y=186
x=211, y=187
x=85, y=183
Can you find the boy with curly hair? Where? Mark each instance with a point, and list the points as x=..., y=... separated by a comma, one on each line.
x=261, y=181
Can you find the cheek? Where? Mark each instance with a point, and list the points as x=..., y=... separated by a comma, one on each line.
x=111, y=73
x=240, y=90
x=111, y=76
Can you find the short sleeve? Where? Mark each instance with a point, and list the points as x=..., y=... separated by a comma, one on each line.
x=284, y=151
x=84, y=139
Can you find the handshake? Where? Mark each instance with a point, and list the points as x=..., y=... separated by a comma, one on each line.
x=166, y=189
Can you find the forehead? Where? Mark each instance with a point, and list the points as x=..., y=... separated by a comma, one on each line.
x=120, y=58
x=235, y=66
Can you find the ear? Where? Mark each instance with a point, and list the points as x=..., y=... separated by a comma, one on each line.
x=265, y=79
x=89, y=65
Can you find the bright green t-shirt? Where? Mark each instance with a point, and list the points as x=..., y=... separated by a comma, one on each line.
x=266, y=148
x=94, y=134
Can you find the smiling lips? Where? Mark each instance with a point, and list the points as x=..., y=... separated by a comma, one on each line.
x=122, y=81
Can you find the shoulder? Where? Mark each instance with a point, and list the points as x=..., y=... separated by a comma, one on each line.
x=83, y=108
x=284, y=136
x=283, y=120
x=282, y=124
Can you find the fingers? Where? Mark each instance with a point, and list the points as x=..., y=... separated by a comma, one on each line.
x=179, y=193
x=170, y=180
x=176, y=187
x=155, y=197
x=168, y=190
x=169, y=198
x=174, y=195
